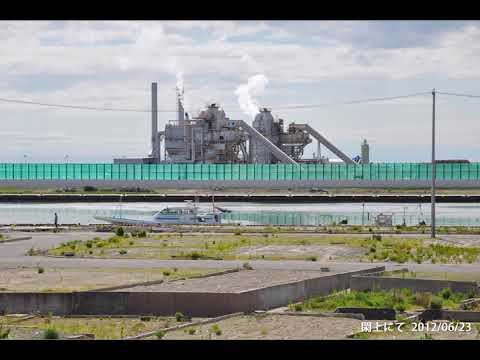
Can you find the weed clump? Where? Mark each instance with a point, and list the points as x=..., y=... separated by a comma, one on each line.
x=50, y=334
x=122, y=252
x=247, y=266
x=216, y=330
x=361, y=336
x=40, y=270
x=436, y=303
x=166, y=273
x=191, y=331
x=4, y=333
x=160, y=334
x=446, y=293
x=312, y=258
x=179, y=317
x=195, y=255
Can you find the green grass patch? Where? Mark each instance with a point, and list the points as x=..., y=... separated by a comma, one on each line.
x=398, y=299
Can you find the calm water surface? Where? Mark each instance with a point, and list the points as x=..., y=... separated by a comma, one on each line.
x=248, y=212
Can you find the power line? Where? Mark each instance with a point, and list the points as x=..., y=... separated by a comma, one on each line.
x=456, y=94
x=26, y=102
x=78, y=107
x=352, y=101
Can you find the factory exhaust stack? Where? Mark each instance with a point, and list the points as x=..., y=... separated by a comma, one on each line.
x=155, y=138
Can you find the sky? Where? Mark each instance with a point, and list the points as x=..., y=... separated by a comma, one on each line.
x=112, y=64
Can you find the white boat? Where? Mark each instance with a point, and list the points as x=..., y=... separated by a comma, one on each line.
x=187, y=215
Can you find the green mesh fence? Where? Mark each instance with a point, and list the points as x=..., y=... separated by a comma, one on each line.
x=374, y=171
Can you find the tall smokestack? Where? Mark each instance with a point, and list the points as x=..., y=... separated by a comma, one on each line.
x=181, y=110
x=155, y=142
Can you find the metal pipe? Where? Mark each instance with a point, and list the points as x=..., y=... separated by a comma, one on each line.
x=193, y=143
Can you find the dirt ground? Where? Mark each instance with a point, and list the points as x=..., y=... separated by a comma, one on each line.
x=271, y=327
x=457, y=240
x=234, y=282
x=102, y=328
x=70, y=279
x=322, y=252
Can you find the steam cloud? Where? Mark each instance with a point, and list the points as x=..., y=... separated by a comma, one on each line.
x=246, y=93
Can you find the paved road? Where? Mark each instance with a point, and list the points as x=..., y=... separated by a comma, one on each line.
x=13, y=255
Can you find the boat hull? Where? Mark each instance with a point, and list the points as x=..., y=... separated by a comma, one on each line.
x=160, y=221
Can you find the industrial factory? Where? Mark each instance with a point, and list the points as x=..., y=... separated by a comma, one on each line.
x=212, y=137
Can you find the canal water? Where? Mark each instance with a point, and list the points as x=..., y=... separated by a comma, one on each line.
x=248, y=213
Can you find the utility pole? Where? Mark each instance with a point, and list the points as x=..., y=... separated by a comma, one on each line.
x=363, y=213
x=433, y=166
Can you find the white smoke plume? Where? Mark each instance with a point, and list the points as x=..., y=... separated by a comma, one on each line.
x=246, y=93
x=179, y=76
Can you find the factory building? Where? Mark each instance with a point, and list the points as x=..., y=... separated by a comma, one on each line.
x=212, y=137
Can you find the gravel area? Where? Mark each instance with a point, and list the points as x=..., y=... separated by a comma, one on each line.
x=234, y=282
x=68, y=279
x=322, y=252
x=272, y=327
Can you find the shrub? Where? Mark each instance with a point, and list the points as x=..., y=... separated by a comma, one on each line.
x=436, y=303
x=312, y=258
x=216, y=330
x=179, y=317
x=100, y=245
x=160, y=334
x=131, y=243
x=122, y=252
x=145, y=318
x=114, y=239
x=166, y=273
x=90, y=252
x=120, y=231
x=298, y=307
x=446, y=293
x=195, y=255
x=50, y=334
x=40, y=270
x=400, y=307
x=423, y=299
x=192, y=331
x=89, y=245
x=175, y=269
x=238, y=233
